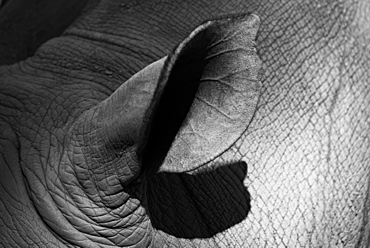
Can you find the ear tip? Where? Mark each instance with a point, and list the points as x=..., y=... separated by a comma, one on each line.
x=254, y=19
x=255, y=23
x=250, y=20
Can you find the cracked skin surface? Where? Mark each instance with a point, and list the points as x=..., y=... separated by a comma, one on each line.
x=306, y=149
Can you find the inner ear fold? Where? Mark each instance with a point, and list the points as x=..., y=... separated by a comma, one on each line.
x=205, y=98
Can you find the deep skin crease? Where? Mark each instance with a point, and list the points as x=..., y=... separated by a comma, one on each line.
x=303, y=159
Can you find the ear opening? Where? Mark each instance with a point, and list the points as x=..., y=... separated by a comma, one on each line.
x=173, y=97
x=200, y=84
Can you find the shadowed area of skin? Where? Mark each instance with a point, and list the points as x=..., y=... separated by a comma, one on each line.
x=198, y=206
x=27, y=24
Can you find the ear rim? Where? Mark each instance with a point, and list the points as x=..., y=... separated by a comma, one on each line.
x=170, y=62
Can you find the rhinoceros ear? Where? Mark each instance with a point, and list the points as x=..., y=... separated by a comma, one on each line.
x=205, y=98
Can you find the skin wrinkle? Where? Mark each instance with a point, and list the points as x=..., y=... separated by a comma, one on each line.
x=70, y=196
x=93, y=51
x=86, y=136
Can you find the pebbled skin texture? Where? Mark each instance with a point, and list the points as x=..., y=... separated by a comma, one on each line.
x=306, y=149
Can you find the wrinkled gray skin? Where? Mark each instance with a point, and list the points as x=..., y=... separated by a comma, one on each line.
x=74, y=174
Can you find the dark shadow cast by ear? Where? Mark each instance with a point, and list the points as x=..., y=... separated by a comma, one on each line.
x=201, y=205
